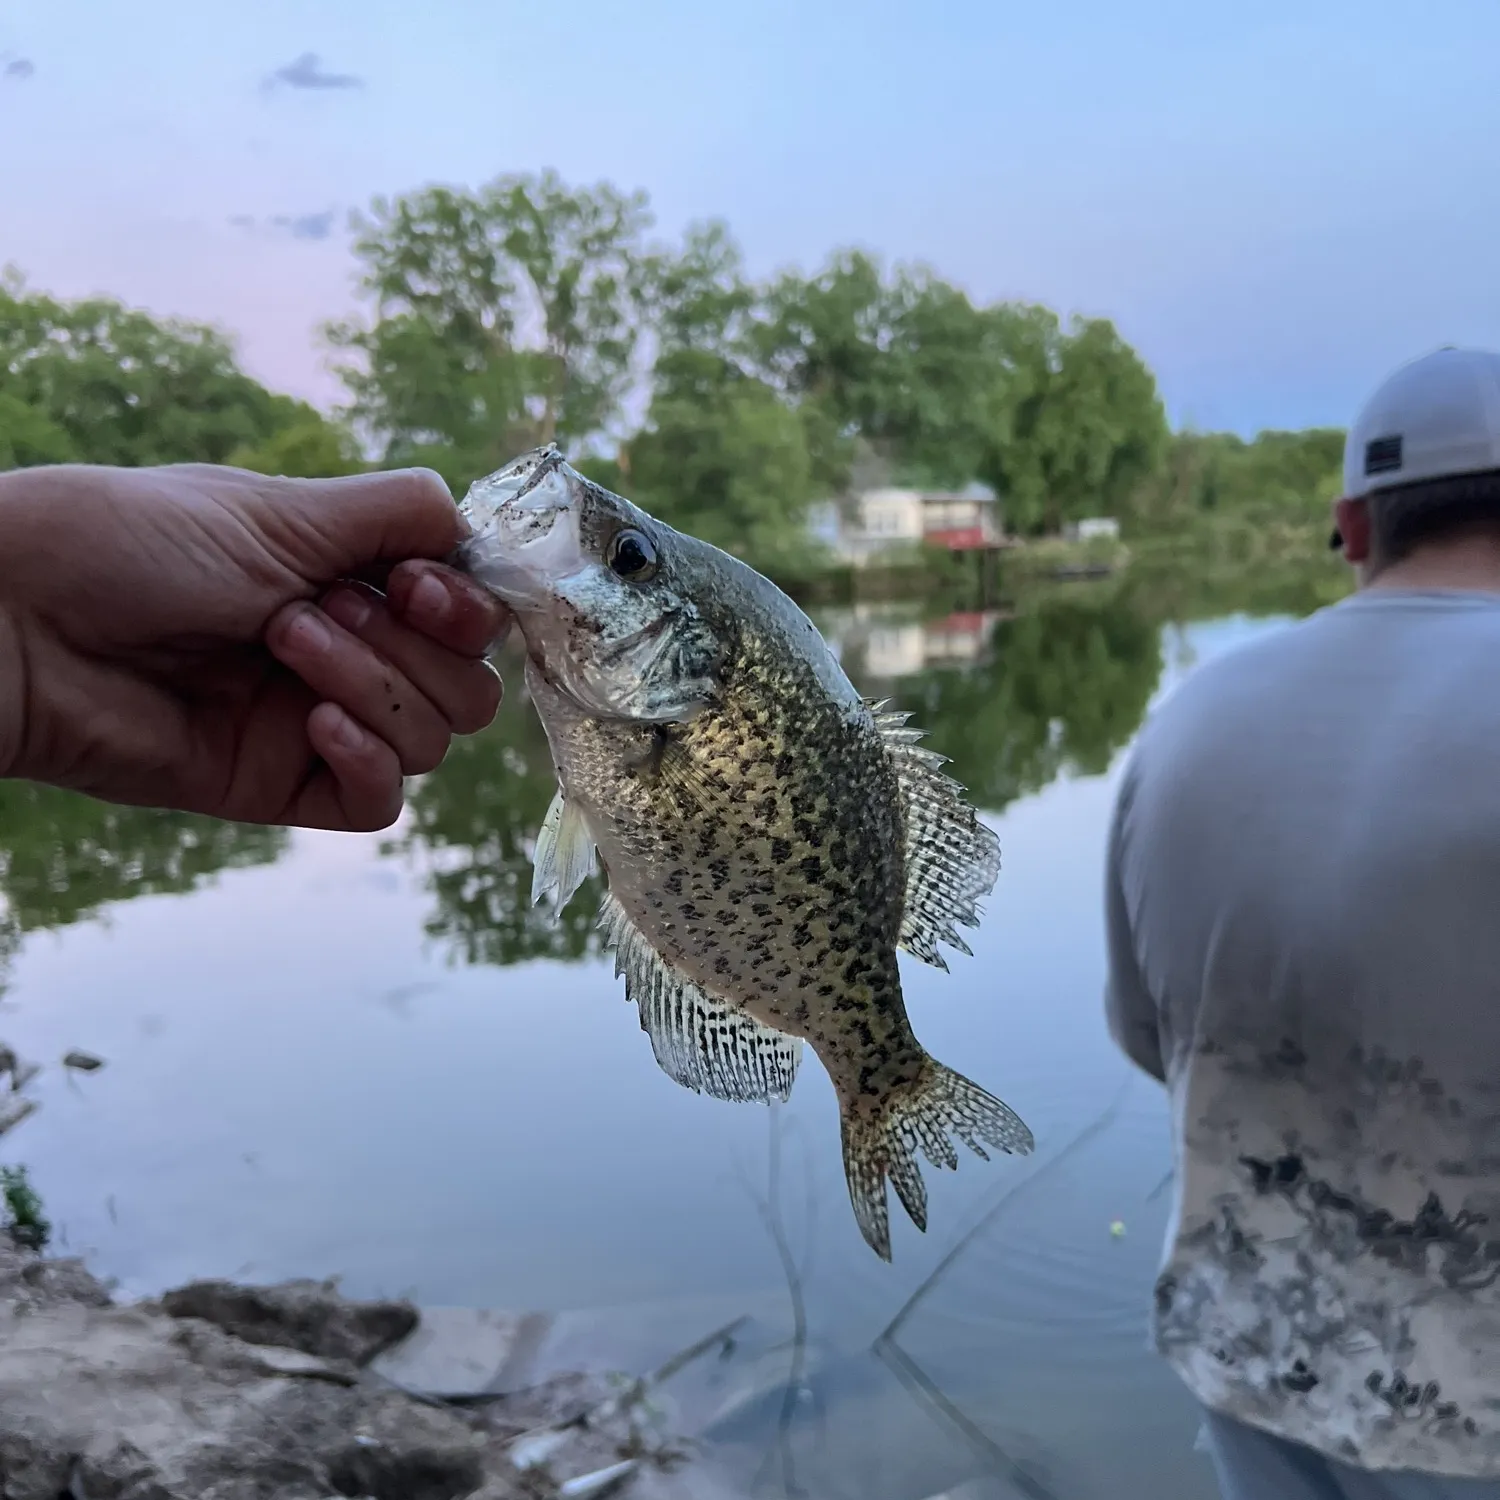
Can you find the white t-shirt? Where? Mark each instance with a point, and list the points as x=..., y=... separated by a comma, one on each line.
x=1303, y=910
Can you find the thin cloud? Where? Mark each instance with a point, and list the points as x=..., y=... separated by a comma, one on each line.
x=308, y=72
x=306, y=226
x=318, y=226
x=18, y=68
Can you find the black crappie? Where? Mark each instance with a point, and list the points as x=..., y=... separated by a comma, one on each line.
x=770, y=837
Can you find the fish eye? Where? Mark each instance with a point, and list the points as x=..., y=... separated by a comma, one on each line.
x=631, y=555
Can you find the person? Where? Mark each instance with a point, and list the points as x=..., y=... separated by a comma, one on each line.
x=1303, y=932
x=210, y=640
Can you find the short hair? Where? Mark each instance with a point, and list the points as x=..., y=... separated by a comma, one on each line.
x=1407, y=516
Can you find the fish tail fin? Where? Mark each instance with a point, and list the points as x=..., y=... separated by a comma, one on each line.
x=881, y=1142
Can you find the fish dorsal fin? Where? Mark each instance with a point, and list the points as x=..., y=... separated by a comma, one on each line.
x=703, y=1043
x=952, y=859
x=564, y=856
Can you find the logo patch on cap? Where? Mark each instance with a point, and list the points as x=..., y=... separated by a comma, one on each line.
x=1383, y=455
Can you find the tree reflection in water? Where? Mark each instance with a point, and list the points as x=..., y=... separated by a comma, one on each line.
x=1059, y=688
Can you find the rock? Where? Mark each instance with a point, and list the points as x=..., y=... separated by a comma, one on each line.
x=83, y=1062
x=222, y=1392
x=27, y=1282
x=184, y=1417
x=382, y=1445
x=14, y=1109
x=460, y=1351
x=306, y=1315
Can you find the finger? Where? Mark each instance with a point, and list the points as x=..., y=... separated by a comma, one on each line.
x=466, y=690
x=359, y=786
x=335, y=527
x=343, y=669
x=452, y=609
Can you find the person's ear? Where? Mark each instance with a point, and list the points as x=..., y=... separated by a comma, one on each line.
x=1351, y=520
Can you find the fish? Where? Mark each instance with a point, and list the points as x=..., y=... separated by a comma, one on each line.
x=770, y=838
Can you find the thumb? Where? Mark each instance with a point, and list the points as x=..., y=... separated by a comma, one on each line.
x=342, y=526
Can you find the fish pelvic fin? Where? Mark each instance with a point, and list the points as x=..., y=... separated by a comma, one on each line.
x=704, y=1043
x=952, y=859
x=881, y=1139
x=564, y=856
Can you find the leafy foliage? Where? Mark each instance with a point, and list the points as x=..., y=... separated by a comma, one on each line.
x=97, y=382
x=499, y=319
x=25, y=1222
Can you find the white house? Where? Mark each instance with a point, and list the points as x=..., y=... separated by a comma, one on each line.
x=880, y=523
x=1093, y=526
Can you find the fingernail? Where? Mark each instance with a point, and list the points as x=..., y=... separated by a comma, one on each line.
x=348, y=734
x=308, y=631
x=430, y=598
x=352, y=610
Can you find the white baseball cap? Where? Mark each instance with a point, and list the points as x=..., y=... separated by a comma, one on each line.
x=1435, y=418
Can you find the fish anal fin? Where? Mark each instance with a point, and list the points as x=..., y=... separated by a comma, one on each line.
x=952, y=859
x=704, y=1043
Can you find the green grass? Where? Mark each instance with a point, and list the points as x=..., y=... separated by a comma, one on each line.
x=24, y=1220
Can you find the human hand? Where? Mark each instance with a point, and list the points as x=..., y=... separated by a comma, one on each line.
x=160, y=644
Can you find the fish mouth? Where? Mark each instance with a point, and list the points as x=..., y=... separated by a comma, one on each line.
x=514, y=507
x=524, y=532
x=513, y=488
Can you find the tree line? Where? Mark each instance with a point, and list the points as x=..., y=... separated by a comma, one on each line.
x=531, y=310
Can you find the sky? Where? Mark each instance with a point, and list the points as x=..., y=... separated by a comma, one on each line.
x=1276, y=204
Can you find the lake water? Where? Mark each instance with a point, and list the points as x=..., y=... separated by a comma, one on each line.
x=368, y=1056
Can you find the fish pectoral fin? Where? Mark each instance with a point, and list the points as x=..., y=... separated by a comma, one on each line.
x=564, y=856
x=703, y=1043
x=952, y=859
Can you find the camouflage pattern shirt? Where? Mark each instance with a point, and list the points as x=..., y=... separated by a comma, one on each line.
x=1303, y=917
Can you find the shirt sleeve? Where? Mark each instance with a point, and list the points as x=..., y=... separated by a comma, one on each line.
x=1129, y=1008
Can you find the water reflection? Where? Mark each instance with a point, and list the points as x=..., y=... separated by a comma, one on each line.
x=472, y=827
x=1058, y=688
x=63, y=857
x=1013, y=698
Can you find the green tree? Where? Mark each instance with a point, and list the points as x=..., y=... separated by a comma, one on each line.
x=1243, y=506
x=906, y=362
x=29, y=436
x=722, y=455
x=904, y=366
x=698, y=300
x=724, y=458
x=500, y=318
x=819, y=341
x=96, y=382
x=1062, y=422
x=1078, y=421
x=308, y=448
